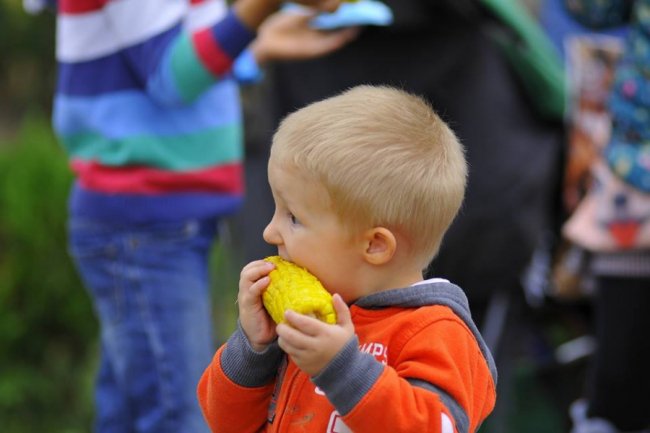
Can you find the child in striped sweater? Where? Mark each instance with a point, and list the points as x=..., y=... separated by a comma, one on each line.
x=148, y=110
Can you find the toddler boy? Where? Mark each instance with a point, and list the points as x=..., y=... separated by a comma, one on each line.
x=365, y=185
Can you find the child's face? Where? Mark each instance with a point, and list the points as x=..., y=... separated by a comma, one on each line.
x=308, y=233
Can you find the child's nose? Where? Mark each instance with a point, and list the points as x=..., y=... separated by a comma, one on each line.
x=270, y=234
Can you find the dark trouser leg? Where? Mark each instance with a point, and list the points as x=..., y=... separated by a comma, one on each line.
x=620, y=379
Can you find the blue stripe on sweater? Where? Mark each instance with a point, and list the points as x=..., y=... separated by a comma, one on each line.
x=126, y=69
x=104, y=75
x=129, y=113
x=232, y=35
x=145, y=57
x=138, y=209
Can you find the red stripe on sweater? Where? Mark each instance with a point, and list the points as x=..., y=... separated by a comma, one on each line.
x=212, y=56
x=145, y=180
x=80, y=6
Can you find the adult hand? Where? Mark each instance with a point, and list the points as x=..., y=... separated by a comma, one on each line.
x=313, y=344
x=288, y=36
x=253, y=318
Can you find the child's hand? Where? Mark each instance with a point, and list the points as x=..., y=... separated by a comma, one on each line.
x=288, y=36
x=321, y=5
x=255, y=321
x=312, y=344
x=253, y=12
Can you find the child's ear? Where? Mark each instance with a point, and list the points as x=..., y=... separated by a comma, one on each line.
x=380, y=245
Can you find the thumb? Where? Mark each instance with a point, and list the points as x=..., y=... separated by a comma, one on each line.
x=343, y=317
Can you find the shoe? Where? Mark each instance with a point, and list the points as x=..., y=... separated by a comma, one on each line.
x=582, y=424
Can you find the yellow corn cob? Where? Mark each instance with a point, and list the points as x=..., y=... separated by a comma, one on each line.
x=294, y=288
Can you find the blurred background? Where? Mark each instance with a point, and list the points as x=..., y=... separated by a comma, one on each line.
x=48, y=332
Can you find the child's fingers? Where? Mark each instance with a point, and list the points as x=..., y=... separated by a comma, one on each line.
x=305, y=324
x=330, y=5
x=291, y=339
x=258, y=286
x=253, y=264
x=322, y=5
x=343, y=317
x=253, y=281
x=337, y=38
x=256, y=270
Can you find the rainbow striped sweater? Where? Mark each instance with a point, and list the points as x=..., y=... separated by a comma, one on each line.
x=147, y=108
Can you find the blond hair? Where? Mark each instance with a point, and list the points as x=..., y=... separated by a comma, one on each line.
x=385, y=159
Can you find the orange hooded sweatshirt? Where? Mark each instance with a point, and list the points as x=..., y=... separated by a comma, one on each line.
x=417, y=364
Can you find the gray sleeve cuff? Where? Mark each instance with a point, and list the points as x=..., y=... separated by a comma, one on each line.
x=245, y=366
x=348, y=377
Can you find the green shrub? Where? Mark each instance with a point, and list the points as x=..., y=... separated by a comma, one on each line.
x=47, y=327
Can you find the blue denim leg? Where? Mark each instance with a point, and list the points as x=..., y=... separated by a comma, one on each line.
x=149, y=286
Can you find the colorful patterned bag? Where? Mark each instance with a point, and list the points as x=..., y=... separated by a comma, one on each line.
x=613, y=216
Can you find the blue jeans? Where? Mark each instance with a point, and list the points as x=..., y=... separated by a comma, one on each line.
x=149, y=286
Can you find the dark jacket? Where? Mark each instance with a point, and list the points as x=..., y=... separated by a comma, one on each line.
x=514, y=156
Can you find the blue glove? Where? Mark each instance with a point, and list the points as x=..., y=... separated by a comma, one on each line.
x=359, y=13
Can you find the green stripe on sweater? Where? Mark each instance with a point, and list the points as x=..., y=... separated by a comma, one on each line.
x=178, y=153
x=190, y=76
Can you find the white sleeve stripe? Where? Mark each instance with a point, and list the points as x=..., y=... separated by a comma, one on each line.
x=120, y=24
x=447, y=426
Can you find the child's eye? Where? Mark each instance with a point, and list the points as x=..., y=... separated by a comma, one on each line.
x=293, y=219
